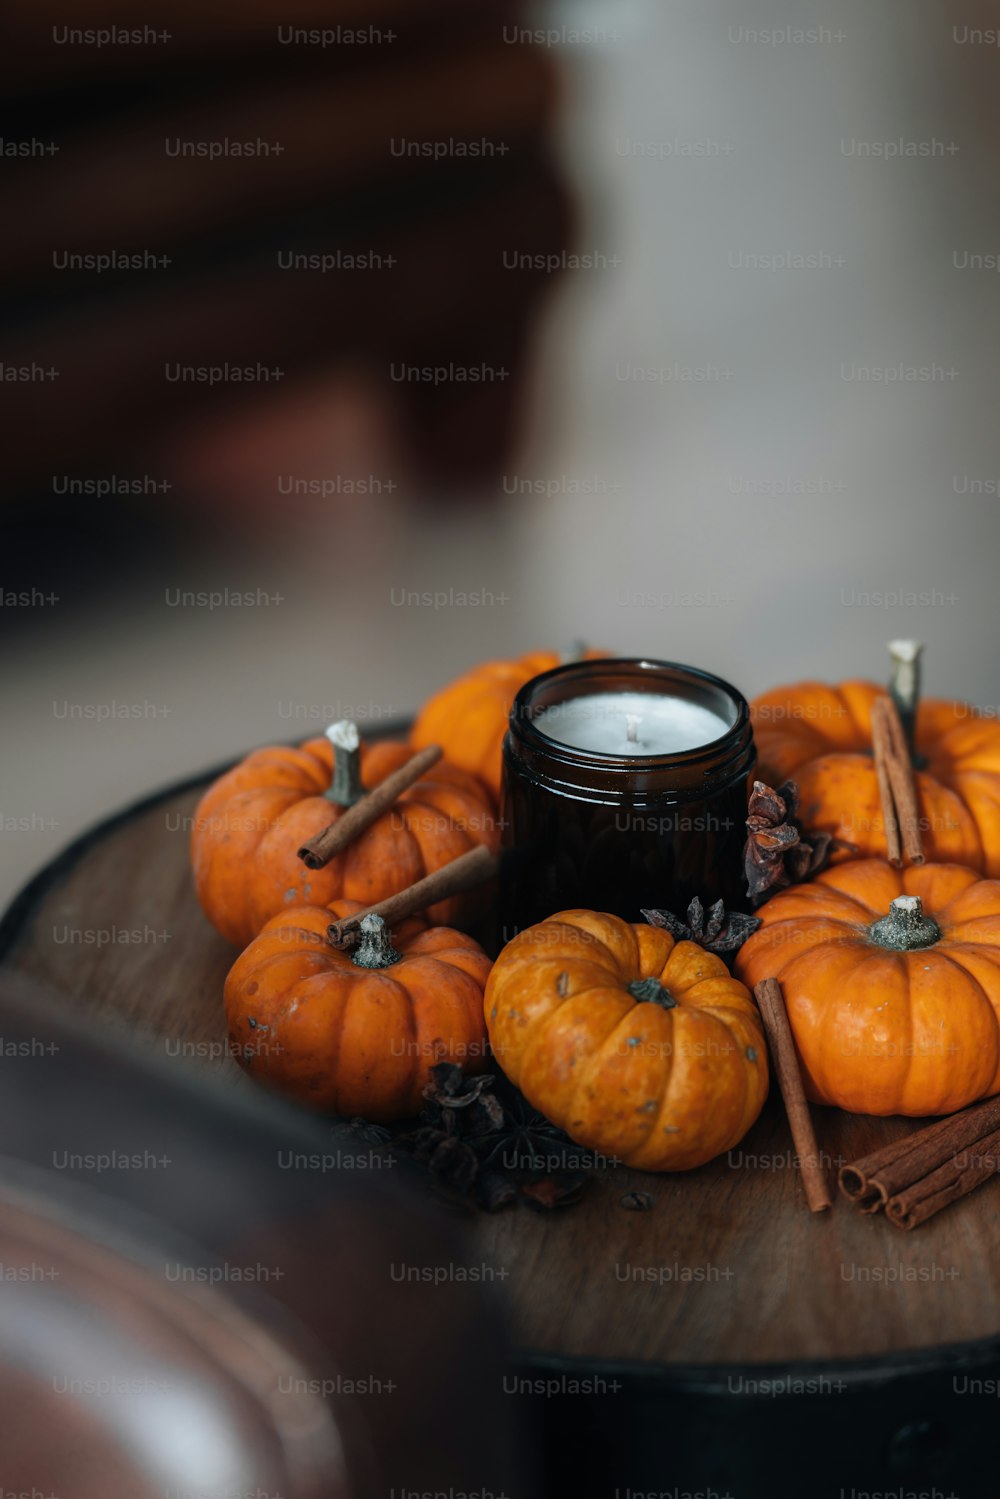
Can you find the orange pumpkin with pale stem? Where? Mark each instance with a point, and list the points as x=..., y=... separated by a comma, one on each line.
x=637, y=1045
x=820, y=737
x=252, y=821
x=468, y=718
x=891, y=978
x=356, y=1034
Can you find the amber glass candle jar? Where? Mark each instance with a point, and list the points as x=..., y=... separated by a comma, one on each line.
x=624, y=786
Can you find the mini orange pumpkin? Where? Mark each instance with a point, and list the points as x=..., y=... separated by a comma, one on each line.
x=891, y=978
x=356, y=1034
x=637, y=1045
x=252, y=821
x=468, y=718
x=820, y=737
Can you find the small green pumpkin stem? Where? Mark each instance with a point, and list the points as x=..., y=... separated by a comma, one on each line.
x=375, y=950
x=345, y=785
x=905, y=928
x=651, y=992
x=904, y=687
x=574, y=652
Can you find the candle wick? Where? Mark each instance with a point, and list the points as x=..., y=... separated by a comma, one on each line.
x=632, y=728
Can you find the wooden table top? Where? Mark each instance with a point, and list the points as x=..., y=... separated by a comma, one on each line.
x=727, y=1268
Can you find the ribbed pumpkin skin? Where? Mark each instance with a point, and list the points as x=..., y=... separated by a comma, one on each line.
x=351, y=1040
x=661, y=1089
x=468, y=718
x=877, y=1031
x=253, y=820
x=820, y=737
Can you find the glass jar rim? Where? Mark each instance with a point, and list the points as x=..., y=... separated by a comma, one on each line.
x=643, y=670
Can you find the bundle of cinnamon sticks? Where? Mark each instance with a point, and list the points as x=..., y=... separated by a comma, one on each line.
x=914, y=1178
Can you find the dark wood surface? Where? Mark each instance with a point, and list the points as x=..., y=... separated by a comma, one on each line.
x=727, y=1268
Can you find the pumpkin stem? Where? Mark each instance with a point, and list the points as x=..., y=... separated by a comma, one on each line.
x=575, y=651
x=905, y=927
x=652, y=992
x=375, y=950
x=345, y=785
x=904, y=689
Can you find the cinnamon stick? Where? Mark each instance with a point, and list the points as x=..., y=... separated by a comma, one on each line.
x=336, y=837
x=897, y=784
x=968, y=1169
x=887, y=1173
x=904, y=785
x=882, y=751
x=786, y=1064
x=462, y=874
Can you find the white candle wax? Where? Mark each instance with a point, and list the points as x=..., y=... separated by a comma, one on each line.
x=631, y=723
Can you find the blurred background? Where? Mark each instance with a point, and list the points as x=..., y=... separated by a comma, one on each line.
x=672, y=327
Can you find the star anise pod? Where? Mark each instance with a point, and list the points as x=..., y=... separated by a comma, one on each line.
x=484, y=1118
x=638, y=1202
x=525, y=1140
x=451, y=1089
x=479, y=1139
x=777, y=852
x=447, y=1158
x=461, y=1105
x=494, y=1190
x=717, y=931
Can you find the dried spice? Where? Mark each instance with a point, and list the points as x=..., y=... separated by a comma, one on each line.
x=447, y=1157
x=527, y=1141
x=638, y=1202
x=550, y=1192
x=494, y=1190
x=479, y=1139
x=449, y=1087
x=777, y=852
x=717, y=931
